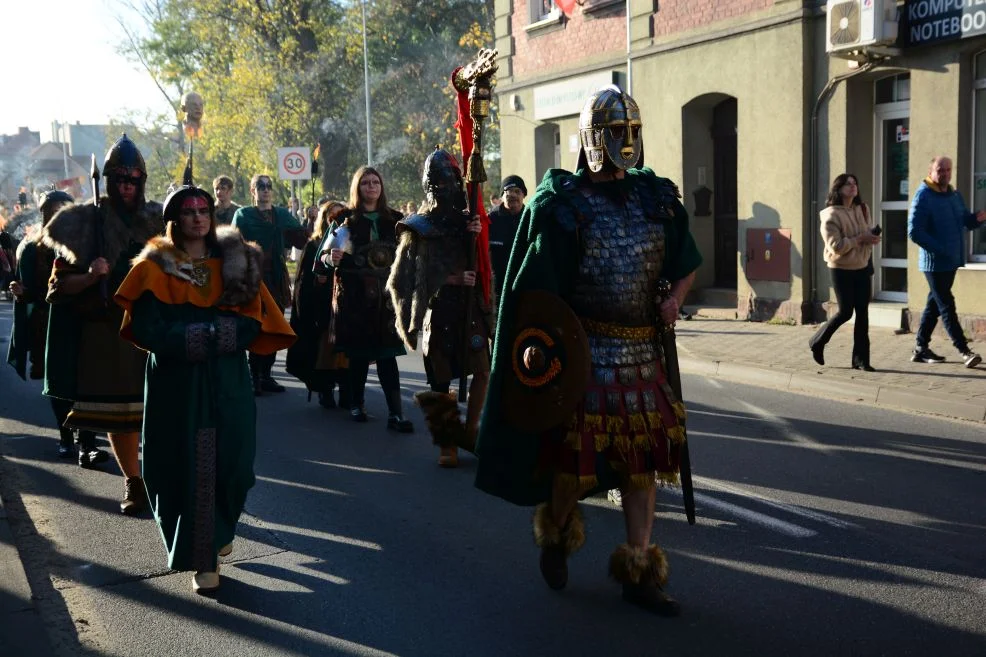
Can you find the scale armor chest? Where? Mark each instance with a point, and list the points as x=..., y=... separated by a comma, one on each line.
x=623, y=255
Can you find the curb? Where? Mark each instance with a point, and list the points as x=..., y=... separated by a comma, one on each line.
x=923, y=401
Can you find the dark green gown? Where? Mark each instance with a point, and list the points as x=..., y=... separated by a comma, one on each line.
x=185, y=402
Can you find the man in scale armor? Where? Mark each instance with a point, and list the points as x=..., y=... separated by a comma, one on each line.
x=599, y=241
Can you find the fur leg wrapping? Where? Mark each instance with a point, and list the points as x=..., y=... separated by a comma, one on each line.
x=442, y=417
x=549, y=534
x=633, y=565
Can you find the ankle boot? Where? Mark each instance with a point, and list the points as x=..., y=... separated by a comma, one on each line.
x=396, y=421
x=557, y=543
x=268, y=383
x=643, y=572
x=449, y=457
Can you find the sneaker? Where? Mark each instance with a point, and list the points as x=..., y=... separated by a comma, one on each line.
x=89, y=458
x=615, y=496
x=971, y=358
x=926, y=355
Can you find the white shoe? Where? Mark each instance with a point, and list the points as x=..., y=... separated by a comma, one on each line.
x=205, y=582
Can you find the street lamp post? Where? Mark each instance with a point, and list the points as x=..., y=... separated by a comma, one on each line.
x=366, y=88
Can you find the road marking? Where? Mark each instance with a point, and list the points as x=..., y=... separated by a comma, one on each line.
x=777, y=504
x=296, y=484
x=354, y=468
x=789, y=431
x=325, y=536
x=773, y=524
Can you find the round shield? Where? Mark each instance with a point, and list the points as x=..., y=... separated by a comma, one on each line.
x=549, y=361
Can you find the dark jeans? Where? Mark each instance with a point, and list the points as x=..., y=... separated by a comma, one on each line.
x=941, y=303
x=390, y=382
x=852, y=291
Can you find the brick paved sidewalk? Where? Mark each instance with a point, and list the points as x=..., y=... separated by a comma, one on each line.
x=777, y=355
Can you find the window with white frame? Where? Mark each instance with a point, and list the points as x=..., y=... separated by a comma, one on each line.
x=542, y=10
x=977, y=239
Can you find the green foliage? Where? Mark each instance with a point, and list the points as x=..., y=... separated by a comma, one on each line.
x=290, y=72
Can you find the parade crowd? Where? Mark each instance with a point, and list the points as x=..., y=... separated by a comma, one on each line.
x=159, y=325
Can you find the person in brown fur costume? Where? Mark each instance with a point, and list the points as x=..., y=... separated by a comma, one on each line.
x=428, y=283
x=88, y=362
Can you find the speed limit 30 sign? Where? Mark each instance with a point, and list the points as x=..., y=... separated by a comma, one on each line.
x=294, y=163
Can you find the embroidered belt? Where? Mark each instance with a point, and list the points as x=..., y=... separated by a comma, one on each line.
x=610, y=330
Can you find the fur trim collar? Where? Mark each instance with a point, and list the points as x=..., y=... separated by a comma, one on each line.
x=72, y=232
x=242, y=268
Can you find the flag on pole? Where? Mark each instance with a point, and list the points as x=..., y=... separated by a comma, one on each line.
x=567, y=6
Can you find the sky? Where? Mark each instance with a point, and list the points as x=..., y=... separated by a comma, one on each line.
x=71, y=44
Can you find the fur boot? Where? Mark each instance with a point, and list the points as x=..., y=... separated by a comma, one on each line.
x=643, y=572
x=442, y=417
x=557, y=543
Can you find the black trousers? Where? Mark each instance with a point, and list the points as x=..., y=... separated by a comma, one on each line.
x=261, y=365
x=61, y=409
x=853, y=289
x=390, y=382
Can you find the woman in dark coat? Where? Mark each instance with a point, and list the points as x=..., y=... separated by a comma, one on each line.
x=361, y=251
x=313, y=359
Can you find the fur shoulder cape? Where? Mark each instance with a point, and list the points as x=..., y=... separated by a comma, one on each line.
x=242, y=264
x=71, y=232
x=164, y=270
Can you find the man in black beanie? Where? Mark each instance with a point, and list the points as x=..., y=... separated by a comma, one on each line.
x=503, y=227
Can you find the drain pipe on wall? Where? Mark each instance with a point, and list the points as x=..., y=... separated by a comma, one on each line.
x=813, y=179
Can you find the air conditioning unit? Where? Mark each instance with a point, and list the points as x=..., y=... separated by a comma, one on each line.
x=853, y=26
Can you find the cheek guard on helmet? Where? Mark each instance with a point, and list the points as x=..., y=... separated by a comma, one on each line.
x=610, y=131
x=442, y=181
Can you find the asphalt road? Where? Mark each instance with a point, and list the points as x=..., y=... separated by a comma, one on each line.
x=825, y=528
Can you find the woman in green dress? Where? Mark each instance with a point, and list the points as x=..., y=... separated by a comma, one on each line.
x=195, y=300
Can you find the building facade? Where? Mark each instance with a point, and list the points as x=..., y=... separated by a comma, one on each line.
x=746, y=111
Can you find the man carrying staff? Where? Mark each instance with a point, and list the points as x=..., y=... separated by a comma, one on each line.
x=427, y=283
x=88, y=363
x=273, y=229
x=598, y=241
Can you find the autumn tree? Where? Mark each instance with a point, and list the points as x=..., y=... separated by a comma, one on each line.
x=290, y=72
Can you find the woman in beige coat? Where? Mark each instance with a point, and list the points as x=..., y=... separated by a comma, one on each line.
x=849, y=240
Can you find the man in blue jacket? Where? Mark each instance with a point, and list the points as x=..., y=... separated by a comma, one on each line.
x=937, y=223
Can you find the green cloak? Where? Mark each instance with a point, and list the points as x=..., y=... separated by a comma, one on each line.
x=545, y=256
x=270, y=237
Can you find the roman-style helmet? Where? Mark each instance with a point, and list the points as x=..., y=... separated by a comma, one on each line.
x=442, y=181
x=123, y=155
x=609, y=131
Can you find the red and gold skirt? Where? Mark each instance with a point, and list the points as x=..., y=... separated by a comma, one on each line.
x=629, y=422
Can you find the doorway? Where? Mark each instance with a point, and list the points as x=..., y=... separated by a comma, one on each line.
x=724, y=174
x=891, y=199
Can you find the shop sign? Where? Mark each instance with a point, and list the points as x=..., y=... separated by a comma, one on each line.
x=935, y=21
x=566, y=98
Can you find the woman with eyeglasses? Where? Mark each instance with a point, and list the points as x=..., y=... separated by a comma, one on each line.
x=849, y=239
x=196, y=301
x=360, y=252
x=274, y=229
